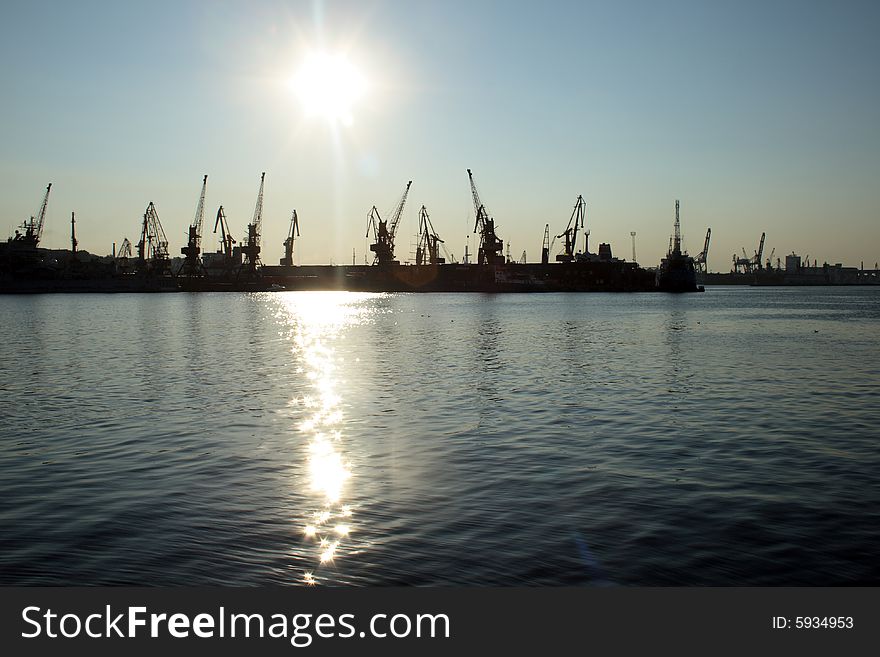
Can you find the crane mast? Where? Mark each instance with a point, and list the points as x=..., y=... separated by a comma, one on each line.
x=226, y=240
x=545, y=247
x=251, y=250
x=570, y=234
x=760, y=252
x=153, y=246
x=73, y=241
x=491, y=249
x=700, y=260
x=428, y=249
x=192, y=264
x=385, y=231
x=293, y=233
x=33, y=227
x=675, y=249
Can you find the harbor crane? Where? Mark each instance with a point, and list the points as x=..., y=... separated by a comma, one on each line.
x=226, y=241
x=384, y=231
x=124, y=252
x=545, y=246
x=770, y=258
x=749, y=264
x=570, y=234
x=428, y=249
x=675, y=239
x=122, y=256
x=73, y=241
x=251, y=250
x=759, y=253
x=491, y=249
x=700, y=260
x=153, y=246
x=192, y=264
x=33, y=227
x=292, y=234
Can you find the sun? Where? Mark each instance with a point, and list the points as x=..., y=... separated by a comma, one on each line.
x=328, y=85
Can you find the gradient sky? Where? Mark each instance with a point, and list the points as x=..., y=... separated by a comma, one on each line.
x=758, y=116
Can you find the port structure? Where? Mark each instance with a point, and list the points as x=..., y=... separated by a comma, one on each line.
x=570, y=234
x=676, y=234
x=491, y=251
x=384, y=231
x=152, y=248
x=251, y=249
x=122, y=257
x=33, y=227
x=545, y=245
x=73, y=241
x=428, y=248
x=226, y=242
x=746, y=264
x=192, y=266
x=700, y=262
x=292, y=234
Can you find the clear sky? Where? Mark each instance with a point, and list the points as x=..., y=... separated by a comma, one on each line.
x=758, y=116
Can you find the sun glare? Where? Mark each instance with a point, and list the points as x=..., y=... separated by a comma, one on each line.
x=328, y=86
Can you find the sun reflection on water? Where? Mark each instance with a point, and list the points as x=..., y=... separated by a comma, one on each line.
x=313, y=321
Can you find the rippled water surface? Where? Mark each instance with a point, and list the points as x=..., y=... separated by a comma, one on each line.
x=368, y=439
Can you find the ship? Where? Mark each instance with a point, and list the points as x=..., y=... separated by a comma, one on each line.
x=677, y=272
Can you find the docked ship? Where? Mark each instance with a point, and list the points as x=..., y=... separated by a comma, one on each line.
x=677, y=271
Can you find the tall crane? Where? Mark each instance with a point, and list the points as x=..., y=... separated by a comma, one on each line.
x=700, y=260
x=385, y=231
x=251, y=250
x=73, y=241
x=33, y=227
x=124, y=252
x=192, y=264
x=226, y=241
x=122, y=256
x=675, y=247
x=292, y=234
x=749, y=264
x=153, y=246
x=770, y=258
x=491, y=247
x=428, y=249
x=570, y=234
x=759, y=253
x=545, y=246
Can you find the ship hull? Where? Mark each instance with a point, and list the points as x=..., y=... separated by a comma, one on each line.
x=508, y=277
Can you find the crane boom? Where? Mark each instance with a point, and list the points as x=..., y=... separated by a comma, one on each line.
x=570, y=233
x=491, y=249
x=700, y=260
x=398, y=211
x=760, y=252
x=384, y=231
x=41, y=214
x=192, y=265
x=153, y=246
x=292, y=234
x=33, y=227
x=251, y=250
x=258, y=210
x=428, y=249
x=545, y=246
